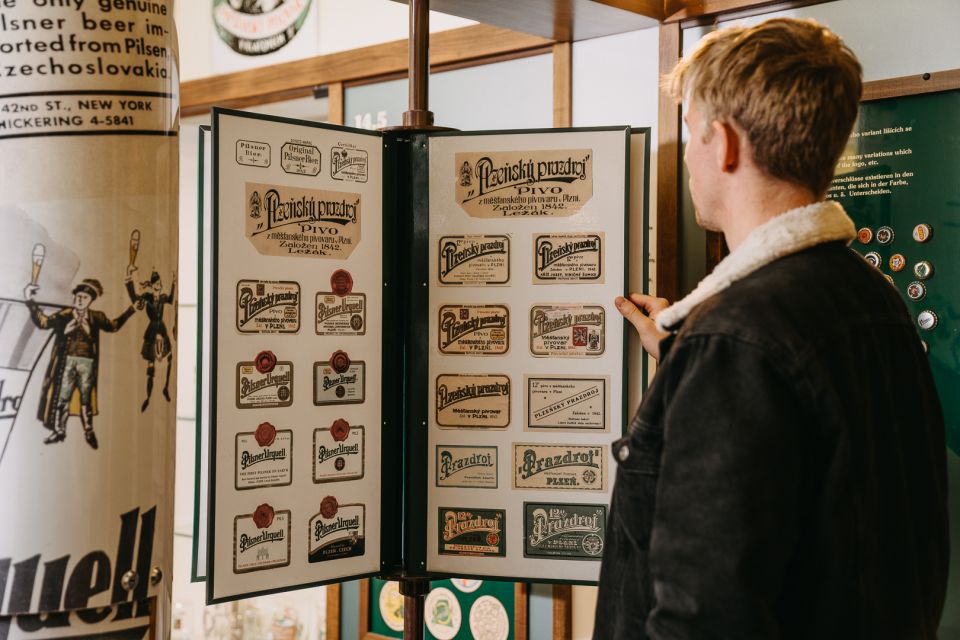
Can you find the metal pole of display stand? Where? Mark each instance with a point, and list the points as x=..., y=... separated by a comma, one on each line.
x=419, y=116
x=413, y=590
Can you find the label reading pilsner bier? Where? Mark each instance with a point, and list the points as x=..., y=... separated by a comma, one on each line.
x=564, y=531
x=567, y=330
x=471, y=532
x=265, y=306
x=482, y=330
x=474, y=260
x=477, y=401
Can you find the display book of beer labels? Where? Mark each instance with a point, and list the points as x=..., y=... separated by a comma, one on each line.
x=416, y=319
x=88, y=321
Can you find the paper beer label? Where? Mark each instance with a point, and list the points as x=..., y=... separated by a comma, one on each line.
x=338, y=536
x=568, y=258
x=472, y=532
x=567, y=403
x=481, y=330
x=466, y=466
x=560, y=467
x=564, y=531
x=473, y=260
x=348, y=163
x=341, y=316
x=264, y=466
x=567, y=330
x=253, y=154
x=338, y=456
x=300, y=157
x=256, y=548
x=505, y=184
x=290, y=221
x=257, y=390
x=475, y=401
x=332, y=387
x=265, y=306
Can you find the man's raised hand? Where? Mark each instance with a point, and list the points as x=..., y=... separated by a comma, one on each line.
x=641, y=311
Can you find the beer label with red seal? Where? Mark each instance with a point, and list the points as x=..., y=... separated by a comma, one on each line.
x=337, y=531
x=339, y=380
x=264, y=383
x=341, y=315
x=471, y=532
x=264, y=458
x=567, y=330
x=338, y=452
x=261, y=540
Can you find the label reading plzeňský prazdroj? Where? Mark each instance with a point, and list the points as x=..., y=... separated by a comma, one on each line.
x=568, y=258
x=473, y=401
x=473, y=260
x=466, y=329
x=567, y=330
x=266, y=306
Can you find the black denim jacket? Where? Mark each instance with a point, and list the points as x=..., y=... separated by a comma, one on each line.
x=785, y=474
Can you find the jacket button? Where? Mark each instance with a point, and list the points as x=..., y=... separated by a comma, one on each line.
x=916, y=291
x=623, y=453
x=927, y=320
x=885, y=235
x=922, y=232
x=923, y=269
x=897, y=262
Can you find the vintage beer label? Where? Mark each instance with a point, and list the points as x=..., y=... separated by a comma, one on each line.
x=339, y=535
x=472, y=532
x=565, y=531
x=290, y=221
x=348, y=163
x=259, y=28
x=259, y=465
x=474, y=260
x=341, y=316
x=300, y=157
x=476, y=401
x=480, y=330
x=333, y=387
x=567, y=330
x=559, y=466
x=265, y=306
x=253, y=154
x=568, y=258
x=466, y=466
x=504, y=184
x=338, y=454
x=567, y=403
x=257, y=390
x=261, y=540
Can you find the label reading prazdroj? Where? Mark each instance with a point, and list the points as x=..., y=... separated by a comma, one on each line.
x=264, y=458
x=338, y=452
x=339, y=381
x=337, y=531
x=261, y=386
x=261, y=540
x=473, y=260
x=341, y=316
x=560, y=467
x=348, y=163
x=266, y=306
x=564, y=531
x=567, y=330
x=300, y=157
x=481, y=330
x=568, y=258
x=570, y=403
x=503, y=184
x=473, y=401
x=468, y=467
x=308, y=223
x=472, y=532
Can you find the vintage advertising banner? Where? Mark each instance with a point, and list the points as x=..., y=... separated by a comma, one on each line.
x=250, y=33
x=88, y=322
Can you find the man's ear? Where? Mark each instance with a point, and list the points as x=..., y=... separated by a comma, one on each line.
x=729, y=147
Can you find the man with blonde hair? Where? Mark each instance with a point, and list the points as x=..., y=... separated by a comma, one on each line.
x=784, y=476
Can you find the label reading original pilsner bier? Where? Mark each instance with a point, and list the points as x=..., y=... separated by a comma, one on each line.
x=261, y=540
x=341, y=316
x=562, y=467
x=567, y=403
x=503, y=184
x=257, y=390
x=568, y=258
x=290, y=221
x=564, y=531
x=567, y=330
x=474, y=260
x=466, y=466
x=265, y=306
x=476, y=401
x=471, y=532
x=481, y=330
x=300, y=157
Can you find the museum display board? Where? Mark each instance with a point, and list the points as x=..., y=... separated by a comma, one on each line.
x=414, y=343
x=898, y=180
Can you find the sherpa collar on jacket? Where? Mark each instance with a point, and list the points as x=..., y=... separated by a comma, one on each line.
x=787, y=233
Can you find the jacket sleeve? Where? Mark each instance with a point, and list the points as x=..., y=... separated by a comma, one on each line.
x=725, y=522
x=39, y=318
x=110, y=326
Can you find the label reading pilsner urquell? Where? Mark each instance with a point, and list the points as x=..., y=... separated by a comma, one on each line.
x=503, y=184
x=265, y=306
x=471, y=532
x=341, y=316
x=481, y=330
x=564, y=531
x=257, y=390
x=335, y=460
x=255, y=549
x=568, y=258
x=475, y=401
x=340, y=536
x=331, y=387
x=307, y=223
x=563, y=466
x=567, y=330
x=571, y=403
x=473, y=260
x=466, y=466
x=260, y=466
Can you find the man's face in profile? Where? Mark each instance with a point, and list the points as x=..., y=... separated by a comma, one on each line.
x=700, y=156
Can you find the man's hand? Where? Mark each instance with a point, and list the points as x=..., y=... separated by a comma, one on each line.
x=131, y=269
x=30, y=291
x=641, y=311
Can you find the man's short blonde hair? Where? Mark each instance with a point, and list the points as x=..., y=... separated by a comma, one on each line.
x=792, y=85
